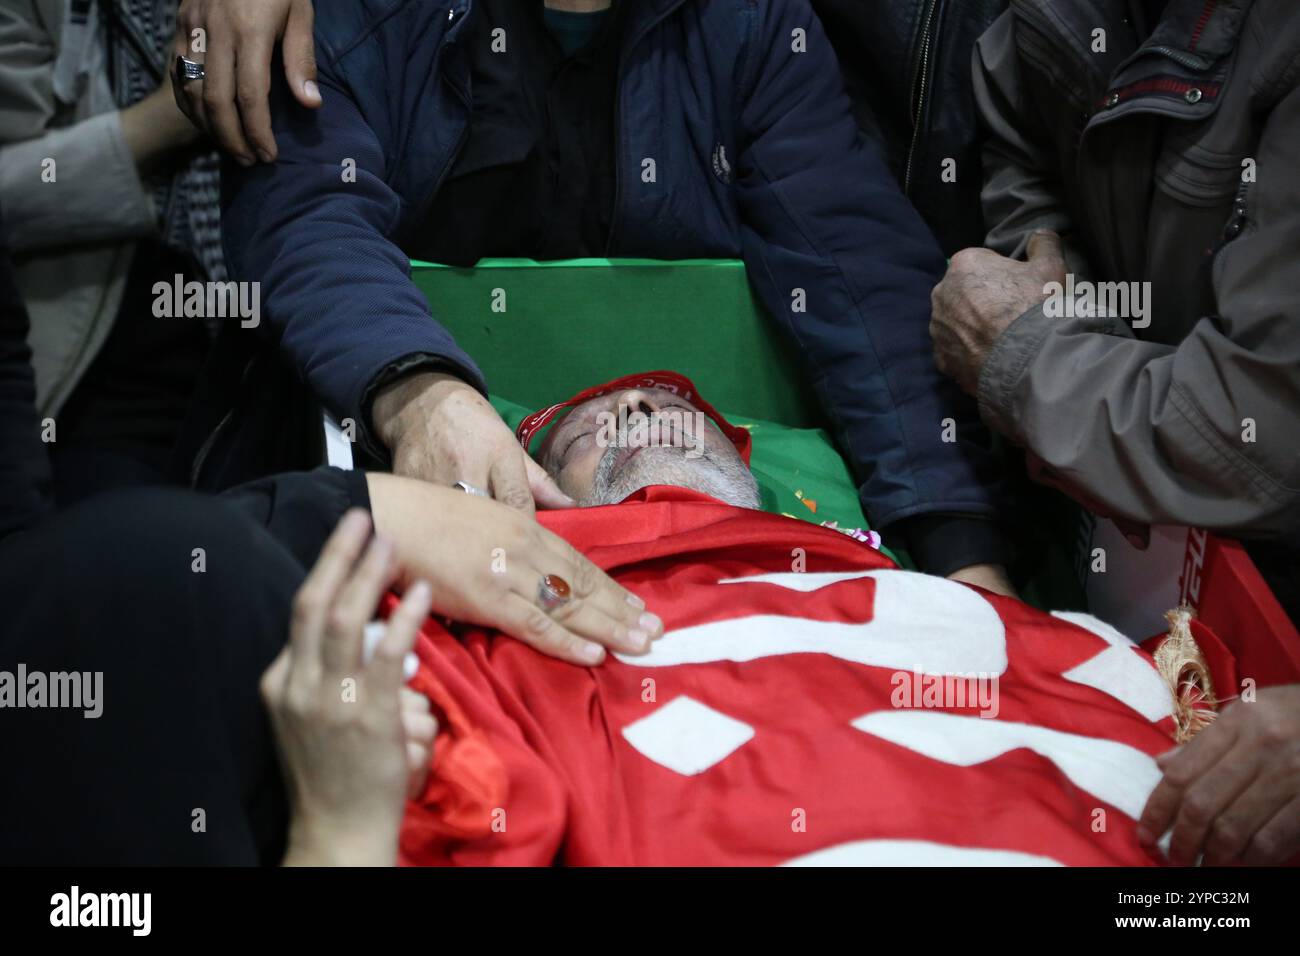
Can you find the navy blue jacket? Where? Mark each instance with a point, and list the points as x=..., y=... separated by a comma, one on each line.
x=741, y=105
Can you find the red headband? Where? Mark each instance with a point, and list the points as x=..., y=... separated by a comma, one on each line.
x=679, y=385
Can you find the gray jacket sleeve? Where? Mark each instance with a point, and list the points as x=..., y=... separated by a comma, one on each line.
x=1206, y=433
x=1022, y=190
x=59, y=184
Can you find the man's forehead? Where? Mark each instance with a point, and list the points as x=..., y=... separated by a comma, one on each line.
x=666, y=388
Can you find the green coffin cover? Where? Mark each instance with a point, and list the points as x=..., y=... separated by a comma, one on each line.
x=541, y=331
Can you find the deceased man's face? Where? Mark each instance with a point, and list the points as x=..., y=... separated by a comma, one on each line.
x=613, y=445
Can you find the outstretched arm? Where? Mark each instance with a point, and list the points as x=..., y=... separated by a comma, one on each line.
x=846, y=265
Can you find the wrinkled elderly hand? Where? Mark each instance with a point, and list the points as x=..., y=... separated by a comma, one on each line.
x=351, y=746
x=981, y=294
x=1233, y=792
x=232, y=102
x=441, y=430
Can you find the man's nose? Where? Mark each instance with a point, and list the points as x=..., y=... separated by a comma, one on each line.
x=635, y=400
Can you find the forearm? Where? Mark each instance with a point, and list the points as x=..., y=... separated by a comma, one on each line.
x=73, y=184
x=1129, y=427
x=914, y=441
x=397, y=507
x=843, y=262
x=313, y=844
x=336, y=289
x=1201, y=432
x=336, y=294
x=154, y=129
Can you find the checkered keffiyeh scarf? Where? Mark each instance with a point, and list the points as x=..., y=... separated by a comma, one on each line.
x=137, y=39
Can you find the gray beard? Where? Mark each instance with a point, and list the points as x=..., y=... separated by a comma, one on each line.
x=726, y=479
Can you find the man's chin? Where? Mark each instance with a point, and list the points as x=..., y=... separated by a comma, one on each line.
x=703, y=478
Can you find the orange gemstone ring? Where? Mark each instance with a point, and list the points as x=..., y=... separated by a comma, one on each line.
x=552, y=591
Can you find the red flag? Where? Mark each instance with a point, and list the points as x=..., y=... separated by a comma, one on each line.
x=848, y=712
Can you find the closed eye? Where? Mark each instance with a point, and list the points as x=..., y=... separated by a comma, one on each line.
x=569, y=444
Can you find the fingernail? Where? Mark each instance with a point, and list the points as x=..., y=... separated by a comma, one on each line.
x=244, y=161
x=420, y=591
x=592, y=653
x=635, y=601
x=651, y=622
x=265, y=156
x=311, y=89
x=640, y=640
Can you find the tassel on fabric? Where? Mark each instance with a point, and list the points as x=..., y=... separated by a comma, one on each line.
x=1182, y=665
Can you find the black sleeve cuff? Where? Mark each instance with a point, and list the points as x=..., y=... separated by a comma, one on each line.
x=942, y=544
x=301, y=508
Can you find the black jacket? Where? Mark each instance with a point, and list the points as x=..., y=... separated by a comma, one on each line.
x=907, y=65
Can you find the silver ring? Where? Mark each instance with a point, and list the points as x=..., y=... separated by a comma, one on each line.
x=552, y=592
x=187, y=70
x=469, y=489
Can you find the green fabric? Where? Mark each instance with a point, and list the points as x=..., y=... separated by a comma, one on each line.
x=697, y=317
x=541, y=331
x=573, y=30
x=798, y=469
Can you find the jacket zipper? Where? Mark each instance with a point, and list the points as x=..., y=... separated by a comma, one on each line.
x=1184, y=60
x=455, y=150
x=920, y=86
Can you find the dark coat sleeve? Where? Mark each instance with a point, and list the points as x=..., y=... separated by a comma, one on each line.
x=846, y=265
x=300, y=509
x=314, y=230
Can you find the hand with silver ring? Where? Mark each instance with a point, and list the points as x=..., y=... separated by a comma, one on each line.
x=552, y=592
x=232, y=43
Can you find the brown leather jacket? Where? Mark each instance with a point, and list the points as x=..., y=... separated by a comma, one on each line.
x=1170, y=156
